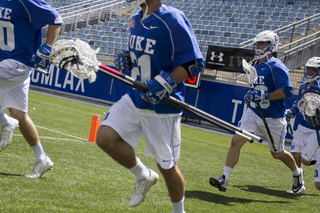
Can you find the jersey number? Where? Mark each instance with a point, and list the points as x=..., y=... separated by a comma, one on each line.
x=7, y=35
x=143, y=67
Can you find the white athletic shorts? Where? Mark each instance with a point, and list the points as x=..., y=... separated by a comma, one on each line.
x=162, y=135
x=253, y=123
x=305, y=142
x=317, y=170
x=14, y=84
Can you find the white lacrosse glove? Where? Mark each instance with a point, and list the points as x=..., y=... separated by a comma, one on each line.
x=256, y=96
x=41, y=58
x=162, y=85
x=123, y=61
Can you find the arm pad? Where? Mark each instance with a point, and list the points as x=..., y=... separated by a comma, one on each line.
x=288, y=91
x=193, y=68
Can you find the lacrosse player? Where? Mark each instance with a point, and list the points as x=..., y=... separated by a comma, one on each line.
x=271, y=88
x=21, y=50
x=163, y=52
x=305, y=143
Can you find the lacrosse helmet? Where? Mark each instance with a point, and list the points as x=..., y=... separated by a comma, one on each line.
x=265, y=36
x=134, y=3
x=313, y=62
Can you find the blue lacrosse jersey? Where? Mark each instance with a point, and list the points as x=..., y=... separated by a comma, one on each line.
x=304, y=87
x=272, y=75
x=21, y=22
x=163, y=41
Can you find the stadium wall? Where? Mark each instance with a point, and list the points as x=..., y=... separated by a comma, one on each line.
x=220, y=99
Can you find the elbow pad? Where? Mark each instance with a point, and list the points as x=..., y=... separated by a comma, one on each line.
x=288, y=91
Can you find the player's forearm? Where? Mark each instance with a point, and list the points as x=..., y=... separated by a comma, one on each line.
x=276, y=95
x=179, y=74
x=53, y=32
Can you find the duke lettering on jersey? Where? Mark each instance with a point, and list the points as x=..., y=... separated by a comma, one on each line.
x=5, y=13
x=135, y=43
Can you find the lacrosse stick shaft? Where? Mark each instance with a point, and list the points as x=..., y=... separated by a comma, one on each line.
x=290, y=129
x=318, y=134
x=178, y=104
x=267, y=127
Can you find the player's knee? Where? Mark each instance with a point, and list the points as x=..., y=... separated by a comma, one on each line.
x=317, y=185
x=237, y=142
x=307, y=163
x=277, y=155
x=103, y=138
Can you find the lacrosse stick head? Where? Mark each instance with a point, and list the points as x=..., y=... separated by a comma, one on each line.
x=309, y=105
x=250, y=71
x=77, y=57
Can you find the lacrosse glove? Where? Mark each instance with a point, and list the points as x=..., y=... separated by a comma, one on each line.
x=123, y=61
x=162, y=85
x=291, y=113
x=41, y=58
x=196, y=68
x=256, y=96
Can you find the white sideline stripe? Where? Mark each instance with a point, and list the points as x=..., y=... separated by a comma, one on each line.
x=81, y=139
x=60, y=139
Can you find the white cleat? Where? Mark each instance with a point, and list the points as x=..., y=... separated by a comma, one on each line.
x=142, y=188
x=301, y=191
x=40, y=168
x=6, y=133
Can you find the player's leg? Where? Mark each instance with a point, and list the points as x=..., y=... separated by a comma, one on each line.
x=247, y=123
x=16, y=101
x=310, y=147
x=176, y=187
x=277, y=128
x=118, y=136
x=165, y=145
x=317, y=173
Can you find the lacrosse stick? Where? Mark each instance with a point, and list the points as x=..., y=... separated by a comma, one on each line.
x=309, y=106
x=289, y=125
x=252, y=76
x=78, y=58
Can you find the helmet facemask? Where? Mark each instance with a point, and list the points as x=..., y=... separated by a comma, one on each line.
x=312, y=69
x=261, y=53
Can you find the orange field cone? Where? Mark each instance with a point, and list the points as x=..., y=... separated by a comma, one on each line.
x=95, y=123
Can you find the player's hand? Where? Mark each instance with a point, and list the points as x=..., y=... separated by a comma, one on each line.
x=159, y=87
x=41, y=58
x=123, y=61
x=291, y=113
x=256, y=96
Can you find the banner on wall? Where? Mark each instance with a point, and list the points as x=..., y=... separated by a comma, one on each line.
x=227, y=58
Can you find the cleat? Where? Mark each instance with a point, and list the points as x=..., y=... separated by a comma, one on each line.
x=6, y=133
x=142, y=188
x=219, y=182
x=302, y=191
x=40, y=168
x=297, y=182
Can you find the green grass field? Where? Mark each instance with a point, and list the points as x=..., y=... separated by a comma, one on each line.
x=85, y=179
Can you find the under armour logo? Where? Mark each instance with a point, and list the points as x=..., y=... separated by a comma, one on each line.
x=216, y=56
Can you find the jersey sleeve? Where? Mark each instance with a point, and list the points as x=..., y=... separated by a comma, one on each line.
x=39, y=13
x=281, y=75
x=185, y=43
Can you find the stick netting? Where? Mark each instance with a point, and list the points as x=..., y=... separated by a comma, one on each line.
x=250, y=71
x=309, y=105
x=77, y=57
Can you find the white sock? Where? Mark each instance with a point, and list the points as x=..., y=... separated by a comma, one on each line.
x=39, y=152
x=4, y=118
x=296, y=172
x=140, y=170
x=178, y=207
x=227, y=172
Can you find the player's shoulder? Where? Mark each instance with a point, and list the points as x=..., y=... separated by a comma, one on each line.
x=168, y=12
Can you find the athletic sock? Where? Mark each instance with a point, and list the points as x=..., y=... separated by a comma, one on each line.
x=178, y=207
x=4, y=118
x=227, y=172
x=39, y=152
x=296, y=172
x=140, y=170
